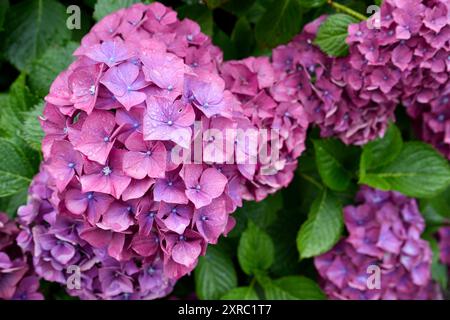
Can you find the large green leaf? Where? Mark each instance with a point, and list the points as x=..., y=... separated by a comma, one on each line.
x=279, y=24
x=332, y=159
x=241, y=293
x=32, y=131
x=381, y=151
x=332, y=34
x=323, y=227
x=290, y=288
x=43, y=73
x=30, y=27
x=418, y=171
x=11, y=203
x=255, y=250
x=104, y=7
x=15, y=169
x=14, y=107
x=214, y=274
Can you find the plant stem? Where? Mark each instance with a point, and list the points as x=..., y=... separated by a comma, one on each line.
x=351, y=12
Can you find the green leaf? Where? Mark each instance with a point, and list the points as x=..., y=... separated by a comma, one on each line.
x=214, y=274
x=238, y=7
x=42, y=73
x=323, y=228
x=436, y=210
x=381, y=151
x=11, y=183
x=291, y=288
x=199, y=13
x=332, y=34
x=279, y=24
x=11, y=203
x=255, y=250
x=20, y=97
x=223, y=41
x=4, y=5
x=13, y=160
x=418, y=171
x=15, y=169
x=30, y=27
x=104, y=7
x=312, y=3
x=332, y=158
x=32, y=131
x=263, y=213
x=14, y=107
x=438, y=270
x=241, y=293
x=242, y=38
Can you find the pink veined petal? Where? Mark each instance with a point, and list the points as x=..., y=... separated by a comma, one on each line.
x=95, y=139
x=186, y=253
x=137, y=189
x=213, y=182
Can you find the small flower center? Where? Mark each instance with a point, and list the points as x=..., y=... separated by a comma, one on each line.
x=106, y=139
x=106, y=171
x=170, y=122
x=92, y=90
x=198, y=187
x=90, y=195
x=190, y=37
x=71, y=165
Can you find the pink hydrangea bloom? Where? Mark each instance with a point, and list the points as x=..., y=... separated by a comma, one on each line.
x=252, y=80
x=384, y=234
x=145, y=88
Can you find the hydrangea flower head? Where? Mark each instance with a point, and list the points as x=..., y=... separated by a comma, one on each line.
x=126, y=199
x=384, y=236
x=345, y=97
x=406, y=59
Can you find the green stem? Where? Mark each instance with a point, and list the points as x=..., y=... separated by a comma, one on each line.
x=351, y=12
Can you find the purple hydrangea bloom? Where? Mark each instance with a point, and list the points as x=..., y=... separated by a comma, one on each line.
x=17, y=278
x=384, y=230
x=352, y=98
x=407, y=60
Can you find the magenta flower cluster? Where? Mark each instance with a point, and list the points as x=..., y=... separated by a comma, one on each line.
x=406, y=57
x=17, y=278
x=117, y=203
x=384, y=230
x=338, y=94
x=266, y=104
